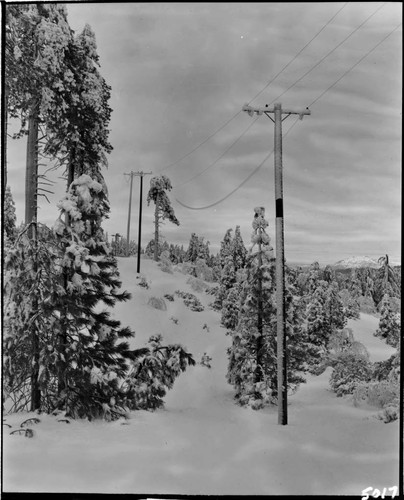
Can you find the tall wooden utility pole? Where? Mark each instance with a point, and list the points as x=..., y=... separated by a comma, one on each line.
x=129, y=213
x=280, y=252
x=132, y=174
x=139, y=238
x=259, y=212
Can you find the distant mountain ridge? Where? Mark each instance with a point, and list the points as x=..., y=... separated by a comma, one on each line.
x=359, y=261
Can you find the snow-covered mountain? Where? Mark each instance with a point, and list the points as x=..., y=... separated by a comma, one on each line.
x=357, y=261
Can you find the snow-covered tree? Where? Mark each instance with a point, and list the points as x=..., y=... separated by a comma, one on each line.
x=238, y=250
x=9, y=216
x=92, y=351
x=385, y=282
x=27, y=328
x=197, y=249
x=79, y=113
x=252, y=368
x=350, y=303
x=163, y=209
x=350, y=370
x=225, y=247
x=228, y=279
x=334, y=308
x=231, y=308
x=389, y=324
x=37, y=37
x=153, y=373
x=324, y=312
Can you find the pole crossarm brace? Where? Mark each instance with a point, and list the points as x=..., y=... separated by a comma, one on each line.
x=265, y=110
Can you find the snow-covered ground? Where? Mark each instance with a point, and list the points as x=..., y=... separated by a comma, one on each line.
x=201, y=442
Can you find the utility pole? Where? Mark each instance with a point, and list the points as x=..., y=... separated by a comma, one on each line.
x=132, y=174
x=129, y=214
x=139, y=238
x=259, y=212
x=280, y=252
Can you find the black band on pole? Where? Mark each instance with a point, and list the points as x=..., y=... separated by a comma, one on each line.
x=279, y=207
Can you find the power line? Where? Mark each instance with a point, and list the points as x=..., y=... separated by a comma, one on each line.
x=259, y=93
x=301, y=78
x=201, y=144
x=220, y=157
x=313, y=102
x=328, y=54
x=356, y=64
x=240, y=185
x=300, y=51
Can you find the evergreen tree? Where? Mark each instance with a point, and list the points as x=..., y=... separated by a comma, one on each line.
x=226, y=282
x=385, y=282
x=197, y=249
x=9, y=216
x=238, y=250
x=225, y=247
x=92, y=351
x=27, y=328
x=193, y=249
x=231, y=308
x=252, y=368
x=334, y=308
x=389, y=324
x=163, y=209
x=37, y=36
x=314, y=276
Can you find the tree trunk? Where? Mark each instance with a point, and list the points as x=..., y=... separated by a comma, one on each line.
x=156, y=230
x=35, y=391
x=31, y=183
x=31, y=173
x=5, y=117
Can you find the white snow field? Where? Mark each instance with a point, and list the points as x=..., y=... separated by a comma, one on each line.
x=202, y=443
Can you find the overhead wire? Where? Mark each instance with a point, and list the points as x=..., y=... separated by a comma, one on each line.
x=242, y=183
x=298, y=54
x=259, y=93
x=313, y=102
x=220, y=157
x=329, y=53
x=354, y=66
x=297, y=81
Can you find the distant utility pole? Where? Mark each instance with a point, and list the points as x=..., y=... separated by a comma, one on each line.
x=280, y=251
x=132, y=174
x=116, y=240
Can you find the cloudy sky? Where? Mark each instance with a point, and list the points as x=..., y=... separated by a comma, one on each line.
x=180, y=74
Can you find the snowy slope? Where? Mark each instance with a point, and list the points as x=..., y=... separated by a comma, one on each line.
x=201, y=442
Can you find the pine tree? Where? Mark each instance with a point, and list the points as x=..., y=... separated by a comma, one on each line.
x=9, y=216
x=92, y=351
x=252, y=368
x=385, y=282
x=27, y=328
x=389, y=324
x=231, y=308
x=225, y=247
x=163, y=209
x=334, y=308
x=227, y=280
x=193, y=249
x=238, y=250
x=37, y=37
